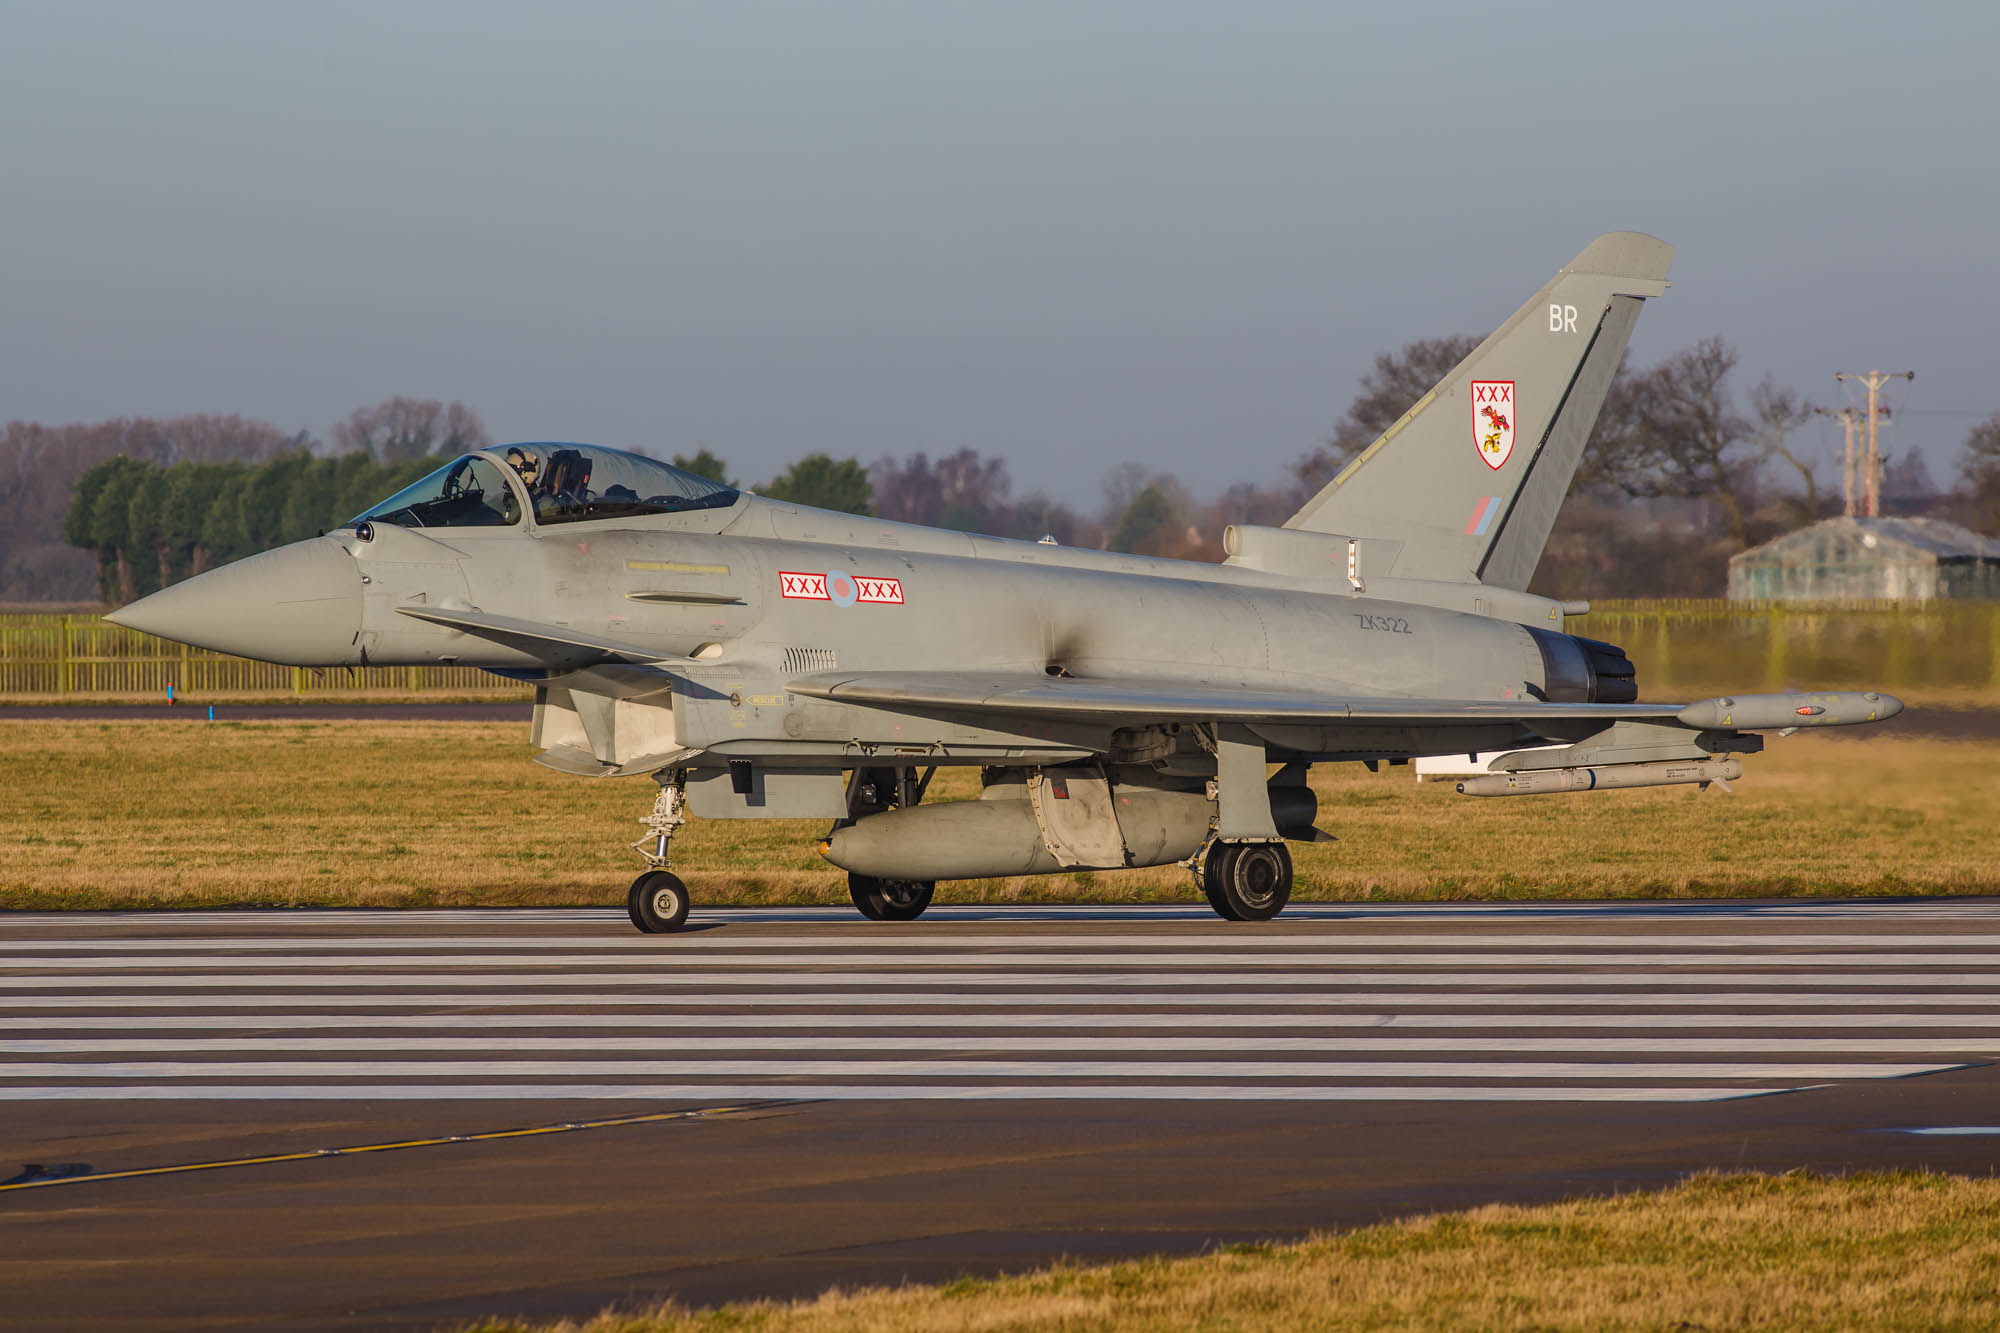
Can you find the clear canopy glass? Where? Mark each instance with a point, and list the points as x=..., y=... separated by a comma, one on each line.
x=467, y=492
x=569, y=483
x=566, y=483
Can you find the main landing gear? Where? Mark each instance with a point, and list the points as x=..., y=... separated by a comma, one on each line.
x=875, y=791
x=658, y=902
x=1247, y=881
x=890, y=899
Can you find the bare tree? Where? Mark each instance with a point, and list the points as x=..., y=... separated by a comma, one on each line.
x=1121, y=485
x=962, y=490
x=1687, y=437
x=40, y=466
x=211, y=438
x=1389, y=390
x=1157, y=520
x=1906, y=483
x=405, y=428
x=1979, y=471
x=1037, y=516
x=1613, y=457
x=1778, y=413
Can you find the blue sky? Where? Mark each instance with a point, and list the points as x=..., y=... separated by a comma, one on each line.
x=1072, y=234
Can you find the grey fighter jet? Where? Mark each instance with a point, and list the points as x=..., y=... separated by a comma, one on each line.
x=763, y=660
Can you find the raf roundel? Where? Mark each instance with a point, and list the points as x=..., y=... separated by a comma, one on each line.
x=1493, y=421
x=840, y=589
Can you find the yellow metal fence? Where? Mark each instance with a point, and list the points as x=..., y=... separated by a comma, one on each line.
x=82, y=654
x=1928, y=646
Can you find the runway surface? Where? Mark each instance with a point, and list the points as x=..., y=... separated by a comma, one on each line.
x=543, y=1112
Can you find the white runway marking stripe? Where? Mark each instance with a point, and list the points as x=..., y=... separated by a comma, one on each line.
x=792, y=978
x=1203, y=1017
x=1238, y=1069
x=285, y=1043
x=1209, y=959
x=679, y=1003
x=1741, y=1003
x=764, y=1092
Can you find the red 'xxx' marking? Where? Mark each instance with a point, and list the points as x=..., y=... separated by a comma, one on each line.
x=889, y=591
x=803, y=585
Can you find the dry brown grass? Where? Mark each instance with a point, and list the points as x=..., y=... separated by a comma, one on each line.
x=130, y=814
x=1794, y=1252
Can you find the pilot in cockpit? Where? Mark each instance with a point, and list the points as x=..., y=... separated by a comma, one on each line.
x=525, y=466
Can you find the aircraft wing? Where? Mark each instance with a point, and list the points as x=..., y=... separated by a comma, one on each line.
x=1134, y=701
x=1123, y=702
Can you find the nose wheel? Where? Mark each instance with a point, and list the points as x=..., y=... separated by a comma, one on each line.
x=658, y=902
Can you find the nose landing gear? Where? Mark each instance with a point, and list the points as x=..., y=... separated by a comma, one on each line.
x=658, y=901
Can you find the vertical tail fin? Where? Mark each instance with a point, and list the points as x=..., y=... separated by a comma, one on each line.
x=1470, y=478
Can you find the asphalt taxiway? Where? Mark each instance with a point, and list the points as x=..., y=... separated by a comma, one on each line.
x=406, y=1119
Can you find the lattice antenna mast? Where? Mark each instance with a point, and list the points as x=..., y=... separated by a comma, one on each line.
x=1874, y=380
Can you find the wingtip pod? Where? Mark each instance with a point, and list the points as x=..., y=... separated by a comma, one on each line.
x=1627, y=254
x=1766, y=712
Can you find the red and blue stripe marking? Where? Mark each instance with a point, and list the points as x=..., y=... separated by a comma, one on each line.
x=1483, y=515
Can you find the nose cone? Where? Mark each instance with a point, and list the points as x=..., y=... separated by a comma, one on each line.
x=299, y=605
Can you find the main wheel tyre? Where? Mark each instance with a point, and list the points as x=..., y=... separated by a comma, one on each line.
x=1214, y=869
x=1251, y=882
x=658, y=902
x=890, y=899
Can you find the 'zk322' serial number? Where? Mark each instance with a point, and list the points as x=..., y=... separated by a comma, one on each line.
x=1383, y=624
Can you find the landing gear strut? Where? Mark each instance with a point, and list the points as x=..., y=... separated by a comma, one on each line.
x=890, y=899
x=872, y=791
x=1247, y=881
x=658, y=902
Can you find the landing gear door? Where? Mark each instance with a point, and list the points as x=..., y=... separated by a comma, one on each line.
x=1074, y=810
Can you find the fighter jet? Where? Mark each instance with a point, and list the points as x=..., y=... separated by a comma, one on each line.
x=758, y=659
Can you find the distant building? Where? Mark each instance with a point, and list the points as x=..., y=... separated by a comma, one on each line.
x=1862, y=559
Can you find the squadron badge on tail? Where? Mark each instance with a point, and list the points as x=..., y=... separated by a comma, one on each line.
x=1493, y=420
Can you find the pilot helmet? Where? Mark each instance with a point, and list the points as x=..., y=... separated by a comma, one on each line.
x=524, y=463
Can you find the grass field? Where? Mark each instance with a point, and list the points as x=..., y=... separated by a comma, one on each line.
x=186, y=814
x=1794, y=1252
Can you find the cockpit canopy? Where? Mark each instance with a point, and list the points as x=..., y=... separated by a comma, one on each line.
x=563, y=483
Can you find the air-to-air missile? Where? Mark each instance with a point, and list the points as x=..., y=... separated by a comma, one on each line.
x=759, y=659
x=1541, y=781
